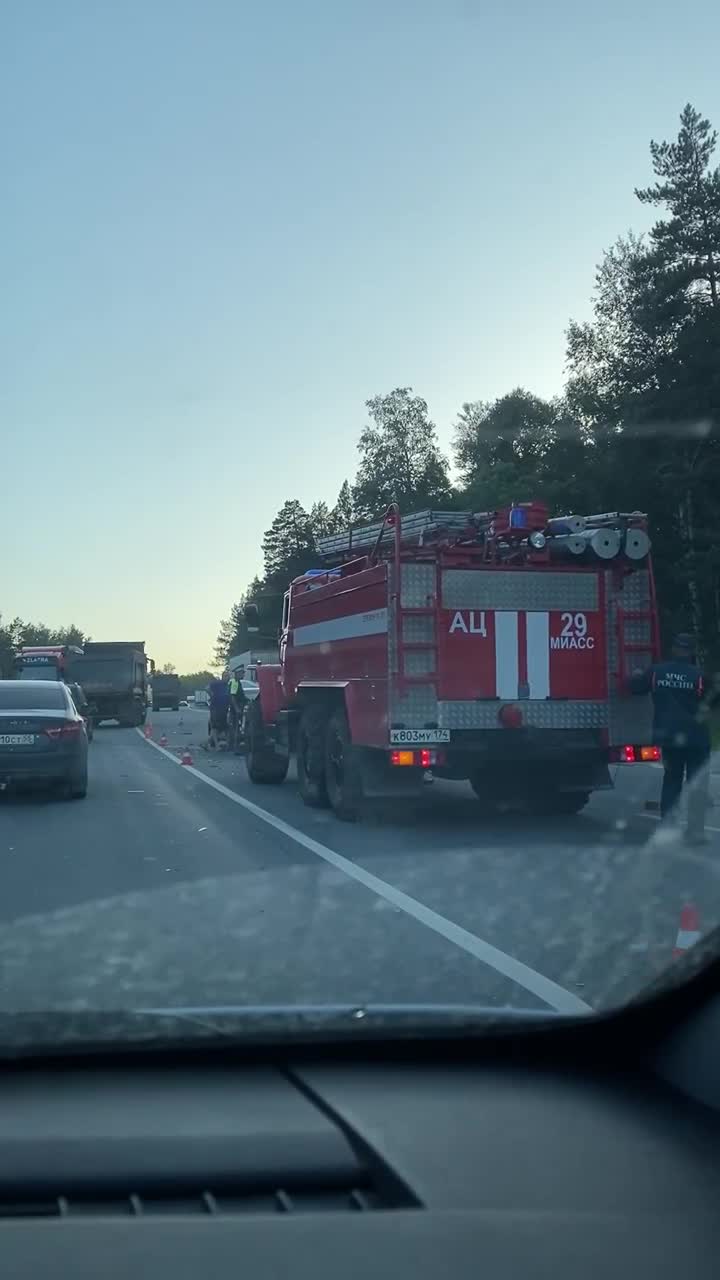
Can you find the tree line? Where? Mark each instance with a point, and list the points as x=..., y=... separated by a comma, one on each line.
x=634, y=428
x=15, y=634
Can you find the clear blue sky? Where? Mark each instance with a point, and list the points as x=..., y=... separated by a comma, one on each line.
x=225, y=226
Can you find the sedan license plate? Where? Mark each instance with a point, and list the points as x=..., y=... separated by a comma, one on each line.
x=16, y=739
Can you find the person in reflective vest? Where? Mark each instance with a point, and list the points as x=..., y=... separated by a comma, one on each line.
x=238, y=702
x=677, y=687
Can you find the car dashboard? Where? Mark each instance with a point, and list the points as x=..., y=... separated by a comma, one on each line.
x=589, y=1151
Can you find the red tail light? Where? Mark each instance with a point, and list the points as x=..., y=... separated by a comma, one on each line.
x=635, y=755
x=424, y=758
x=70, y=730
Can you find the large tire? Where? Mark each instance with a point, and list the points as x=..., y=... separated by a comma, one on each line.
x=343, y=769
x=311, y=757
x=264, y=766
x=553, y=803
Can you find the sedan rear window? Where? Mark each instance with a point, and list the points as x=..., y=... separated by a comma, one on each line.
x=25, y=695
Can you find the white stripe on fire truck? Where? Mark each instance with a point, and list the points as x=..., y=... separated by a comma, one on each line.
x=538, y=654
x=506, y=654
x=373, y=623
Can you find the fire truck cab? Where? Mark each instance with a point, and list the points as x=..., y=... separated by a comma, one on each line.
x=493, y=647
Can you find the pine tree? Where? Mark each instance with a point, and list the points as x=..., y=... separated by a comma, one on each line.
x=239, y=637
x=222, y=644
x=343, y=513
x=288, y=545
x=321, y=519
x=645, y=378
x=686, y=246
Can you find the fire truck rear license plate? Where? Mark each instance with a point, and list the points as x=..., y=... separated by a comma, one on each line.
x=418, y=737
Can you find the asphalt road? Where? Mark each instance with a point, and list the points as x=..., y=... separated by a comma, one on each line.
x=187, y=885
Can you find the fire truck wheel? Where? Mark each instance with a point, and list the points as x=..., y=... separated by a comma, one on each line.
x=262, y=764
x=343, y=771
x=311, y=757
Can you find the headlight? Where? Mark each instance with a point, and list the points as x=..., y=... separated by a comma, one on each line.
x=537, y=540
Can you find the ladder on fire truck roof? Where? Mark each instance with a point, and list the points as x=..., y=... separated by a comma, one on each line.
x=420, y=527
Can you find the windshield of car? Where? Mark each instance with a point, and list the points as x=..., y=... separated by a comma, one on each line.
x=383, y=341
x=26, y=696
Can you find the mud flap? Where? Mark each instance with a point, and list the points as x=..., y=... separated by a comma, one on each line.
x=381, y=780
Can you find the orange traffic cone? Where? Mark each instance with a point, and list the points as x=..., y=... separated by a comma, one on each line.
x=186, y=758
x=689, y=931
x=148, y=731
x=163, y=741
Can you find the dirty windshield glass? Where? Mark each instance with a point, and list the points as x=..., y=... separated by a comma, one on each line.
x=382, y=344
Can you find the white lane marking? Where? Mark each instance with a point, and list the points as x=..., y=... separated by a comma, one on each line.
x=506, y=654
x=545, y=989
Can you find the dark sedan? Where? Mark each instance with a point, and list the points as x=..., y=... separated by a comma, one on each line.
x=42, y=736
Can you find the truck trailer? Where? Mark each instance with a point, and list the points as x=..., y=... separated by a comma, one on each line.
x=166, y=691
x=114, y=677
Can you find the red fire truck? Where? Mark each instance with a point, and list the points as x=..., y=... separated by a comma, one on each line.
x=493, y=647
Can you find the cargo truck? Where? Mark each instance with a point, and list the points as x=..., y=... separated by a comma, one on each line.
x=114, y=677
x=166, y=691
x=45, y=661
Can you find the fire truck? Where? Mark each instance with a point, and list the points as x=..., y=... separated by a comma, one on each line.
x=493, y=647
x=45, y=661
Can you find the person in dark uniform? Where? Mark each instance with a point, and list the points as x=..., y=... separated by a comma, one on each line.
x=677, y=688
x=219, y=706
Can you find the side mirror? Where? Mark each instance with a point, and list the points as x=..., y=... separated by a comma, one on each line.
x=252, y=617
